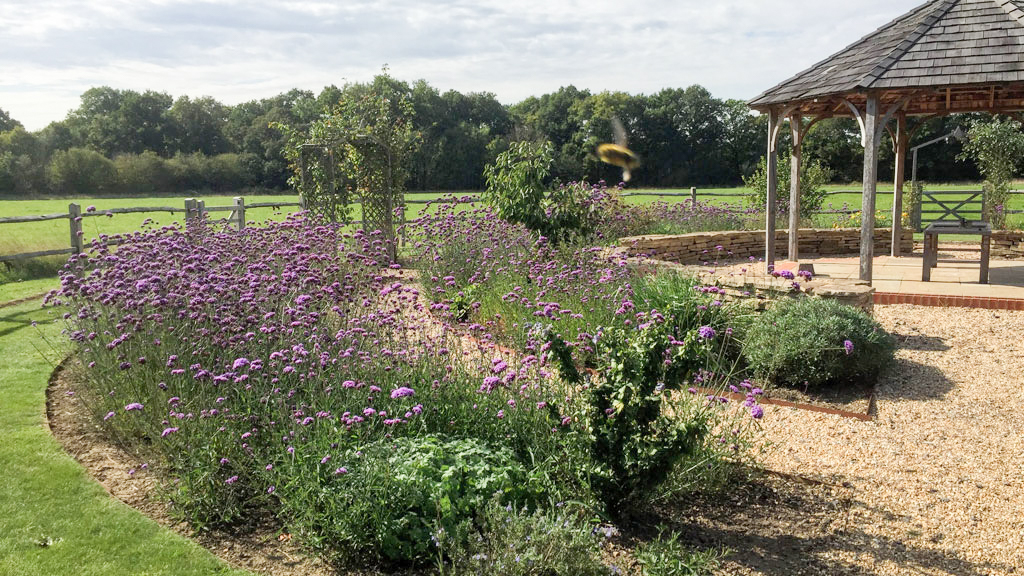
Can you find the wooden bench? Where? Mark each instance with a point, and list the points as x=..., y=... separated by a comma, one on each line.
x=931, y=244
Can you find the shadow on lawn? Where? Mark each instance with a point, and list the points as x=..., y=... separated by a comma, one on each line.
x=784, y=527
x=17, y=320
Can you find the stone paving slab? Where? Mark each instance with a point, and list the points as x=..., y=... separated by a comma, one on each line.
x=952, y=277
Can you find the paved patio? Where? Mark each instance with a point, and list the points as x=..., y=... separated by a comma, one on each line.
x=956, y=276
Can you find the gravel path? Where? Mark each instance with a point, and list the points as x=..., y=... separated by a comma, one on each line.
x=938, y=478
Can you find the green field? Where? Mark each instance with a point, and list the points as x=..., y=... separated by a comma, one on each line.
x=54, y=234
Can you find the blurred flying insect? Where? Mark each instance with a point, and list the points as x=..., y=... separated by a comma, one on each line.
x=619, y=154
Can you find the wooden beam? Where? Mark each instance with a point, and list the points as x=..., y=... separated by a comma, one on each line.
x=867, y=227
x=902, y=139
x=30, y=255
x=796, y=129
x=771, y=196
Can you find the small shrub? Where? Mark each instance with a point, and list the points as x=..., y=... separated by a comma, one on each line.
x=394, y=495
x=667, y=556
x=516, y=542
x=516, y=182
x=813, y=178
x=996, y=147
x=639, y=427
x=815, y=342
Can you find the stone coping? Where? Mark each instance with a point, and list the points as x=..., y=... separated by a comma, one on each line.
x=698, y=247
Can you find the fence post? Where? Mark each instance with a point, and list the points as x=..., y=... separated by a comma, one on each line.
x=75, y=218
x=200, y=209
x=190, y=211
x=693, y=195
x=239, y=212
x=917, y=191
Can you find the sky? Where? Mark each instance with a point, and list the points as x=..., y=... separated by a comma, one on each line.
x=51, y=51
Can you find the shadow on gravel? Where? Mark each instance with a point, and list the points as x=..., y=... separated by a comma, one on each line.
x=920, y=342
x=789, y=527
x=910, y=380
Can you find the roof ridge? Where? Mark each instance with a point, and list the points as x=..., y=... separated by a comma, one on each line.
x=943, y=7
x=858, y=42
x=1012, y=10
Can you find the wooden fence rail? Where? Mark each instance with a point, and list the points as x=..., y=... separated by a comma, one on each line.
x=192, y=209
x=195, y=208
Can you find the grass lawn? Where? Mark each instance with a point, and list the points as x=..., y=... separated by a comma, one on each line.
x=35, y=236
x=54, y=519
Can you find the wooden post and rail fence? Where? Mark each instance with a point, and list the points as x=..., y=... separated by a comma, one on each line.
x=954, y=205
x=192, y=210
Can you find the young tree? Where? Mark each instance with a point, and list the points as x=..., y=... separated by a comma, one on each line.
x=997, y=147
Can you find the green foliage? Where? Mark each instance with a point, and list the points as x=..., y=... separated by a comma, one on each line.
x=6, y=122
x=997, y=147
x=362, y=146
x=516, y=182
x=144, y=173
x=22, y=163
x=912, y=195
x=79, y=171
x=517, y=189
x=397, y=494
x=800, y=342
x=667, y=556
x=813, y=178
x=634, y=443
x=557, y=541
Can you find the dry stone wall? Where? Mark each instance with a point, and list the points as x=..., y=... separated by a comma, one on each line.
x=702, y=247
x=1008, y=244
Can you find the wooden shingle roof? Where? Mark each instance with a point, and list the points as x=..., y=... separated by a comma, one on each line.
x=943, y=44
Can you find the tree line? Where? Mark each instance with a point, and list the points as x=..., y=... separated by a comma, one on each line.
x=136, y=143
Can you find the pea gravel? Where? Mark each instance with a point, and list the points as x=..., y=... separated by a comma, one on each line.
x=937, y=479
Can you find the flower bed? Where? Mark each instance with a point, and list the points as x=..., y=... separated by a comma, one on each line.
x=286, y=371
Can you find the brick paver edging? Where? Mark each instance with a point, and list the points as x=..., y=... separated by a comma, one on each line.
x=950, y=301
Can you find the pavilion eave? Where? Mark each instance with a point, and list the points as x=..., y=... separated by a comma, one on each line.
x=1002, y=97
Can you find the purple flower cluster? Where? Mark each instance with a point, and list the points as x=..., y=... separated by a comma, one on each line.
x=274, y=348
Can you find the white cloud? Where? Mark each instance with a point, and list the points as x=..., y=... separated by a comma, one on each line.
x=53, y=50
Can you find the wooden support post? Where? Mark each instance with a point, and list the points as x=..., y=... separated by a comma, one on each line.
x=75, y=217
x=795, y=125
x=867, y=211
x=693, y=196
x=200, y=209
x=772, y=162
x=239, y=213
x=898, y=180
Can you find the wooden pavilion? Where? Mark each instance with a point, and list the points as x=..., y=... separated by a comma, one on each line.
x=944, y=57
